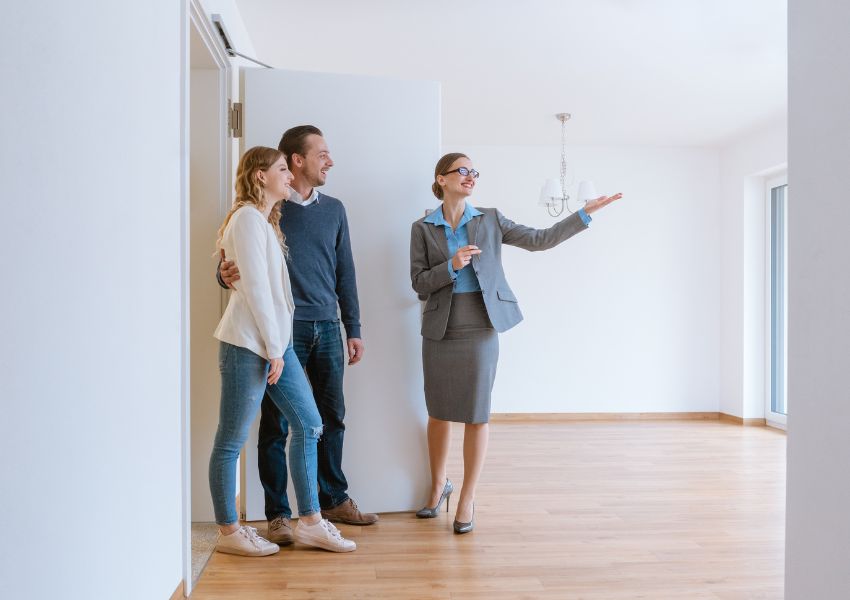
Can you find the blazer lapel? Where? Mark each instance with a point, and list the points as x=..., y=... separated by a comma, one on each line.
x=471, y=234
x=472, y=229
x=439, y=237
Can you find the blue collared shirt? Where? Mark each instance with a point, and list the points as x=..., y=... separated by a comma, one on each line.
x=465, y=280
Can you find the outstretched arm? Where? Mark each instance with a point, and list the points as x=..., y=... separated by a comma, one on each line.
x=532, y=239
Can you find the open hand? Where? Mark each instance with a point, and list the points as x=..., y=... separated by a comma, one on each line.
x=602, y=201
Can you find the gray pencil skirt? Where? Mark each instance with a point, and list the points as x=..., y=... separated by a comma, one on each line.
x=460, y=368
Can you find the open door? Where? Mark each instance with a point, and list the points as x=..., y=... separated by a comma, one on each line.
x=384, y=138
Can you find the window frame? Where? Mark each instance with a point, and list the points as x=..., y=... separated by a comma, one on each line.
x=773, y=418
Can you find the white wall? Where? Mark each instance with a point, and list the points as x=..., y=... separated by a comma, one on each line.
x=625, y=316
x=818, y=526
x=744, y=165
x=90, y=432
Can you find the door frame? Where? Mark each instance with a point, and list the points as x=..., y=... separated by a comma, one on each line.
x=194, y=16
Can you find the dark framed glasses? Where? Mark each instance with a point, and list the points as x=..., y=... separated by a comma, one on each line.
x=463, y=172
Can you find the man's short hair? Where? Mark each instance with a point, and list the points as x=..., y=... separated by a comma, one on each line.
x=294, y=140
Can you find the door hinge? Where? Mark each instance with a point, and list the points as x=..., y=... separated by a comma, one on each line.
x=234, y=119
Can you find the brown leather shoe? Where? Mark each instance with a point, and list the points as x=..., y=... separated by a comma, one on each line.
x=280, y=531
x=347, y=512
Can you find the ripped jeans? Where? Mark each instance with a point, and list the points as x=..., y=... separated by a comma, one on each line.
x=243, y=382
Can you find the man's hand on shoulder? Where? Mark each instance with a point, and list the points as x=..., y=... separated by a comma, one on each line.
x=355, y=350
x=228, y=271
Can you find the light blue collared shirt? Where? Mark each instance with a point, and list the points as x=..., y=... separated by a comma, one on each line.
x=465, y=280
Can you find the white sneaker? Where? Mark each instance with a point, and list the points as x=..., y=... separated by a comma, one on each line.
x=323, y=535
x=245, y=542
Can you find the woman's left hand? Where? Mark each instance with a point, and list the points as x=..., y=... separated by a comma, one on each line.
x=275, y=370
x=596, y=204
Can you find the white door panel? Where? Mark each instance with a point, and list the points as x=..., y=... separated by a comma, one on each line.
x=384, y=137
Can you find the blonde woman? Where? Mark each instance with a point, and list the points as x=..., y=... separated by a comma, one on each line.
x=256, y=352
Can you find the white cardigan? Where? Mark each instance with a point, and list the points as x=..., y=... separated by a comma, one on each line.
x=259, y=314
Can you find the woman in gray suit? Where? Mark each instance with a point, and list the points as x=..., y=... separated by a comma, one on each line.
x=456, y=267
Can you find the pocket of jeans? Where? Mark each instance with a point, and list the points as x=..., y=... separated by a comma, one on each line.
x=224, y=353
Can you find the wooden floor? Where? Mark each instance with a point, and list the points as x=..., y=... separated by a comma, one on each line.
x=588, y=510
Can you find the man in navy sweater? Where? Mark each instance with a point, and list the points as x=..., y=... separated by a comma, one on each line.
x=321, y=269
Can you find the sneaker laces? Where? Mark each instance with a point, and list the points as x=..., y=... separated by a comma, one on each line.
x=278, y=522
x=253, y=536
x=331, y=529
x=355, y=508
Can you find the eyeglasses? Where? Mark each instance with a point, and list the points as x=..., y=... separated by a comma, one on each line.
x=463, y=172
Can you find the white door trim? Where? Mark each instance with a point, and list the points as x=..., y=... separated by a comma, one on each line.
x=193, y=15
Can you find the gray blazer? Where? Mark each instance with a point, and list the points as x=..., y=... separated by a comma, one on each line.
x=429, y=270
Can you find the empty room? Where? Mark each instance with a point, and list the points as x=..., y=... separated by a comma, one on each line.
x=445, y=300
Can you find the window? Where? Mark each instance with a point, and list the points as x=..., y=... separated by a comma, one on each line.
x=776, y=402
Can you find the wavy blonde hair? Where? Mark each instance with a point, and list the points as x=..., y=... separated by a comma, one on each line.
x=249, y=190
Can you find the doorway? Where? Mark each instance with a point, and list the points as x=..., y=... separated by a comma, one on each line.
x=207, y=171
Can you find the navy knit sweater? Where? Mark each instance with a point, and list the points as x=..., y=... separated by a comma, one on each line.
x=321, y=267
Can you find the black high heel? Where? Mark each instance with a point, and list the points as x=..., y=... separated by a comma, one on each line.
x=465, y=527
x=430, y=513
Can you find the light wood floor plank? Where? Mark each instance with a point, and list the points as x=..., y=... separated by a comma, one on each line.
x=566, y=510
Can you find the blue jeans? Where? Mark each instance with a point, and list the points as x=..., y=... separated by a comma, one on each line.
x=243, y=383
x=319, y=348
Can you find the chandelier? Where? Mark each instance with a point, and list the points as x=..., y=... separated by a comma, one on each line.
x=553, y=194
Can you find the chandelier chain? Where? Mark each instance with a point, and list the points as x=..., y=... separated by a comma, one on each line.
x=563, y=158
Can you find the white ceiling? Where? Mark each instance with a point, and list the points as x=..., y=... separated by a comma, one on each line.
x=656, y=72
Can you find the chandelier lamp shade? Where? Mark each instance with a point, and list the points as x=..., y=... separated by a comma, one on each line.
x=586, y=191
